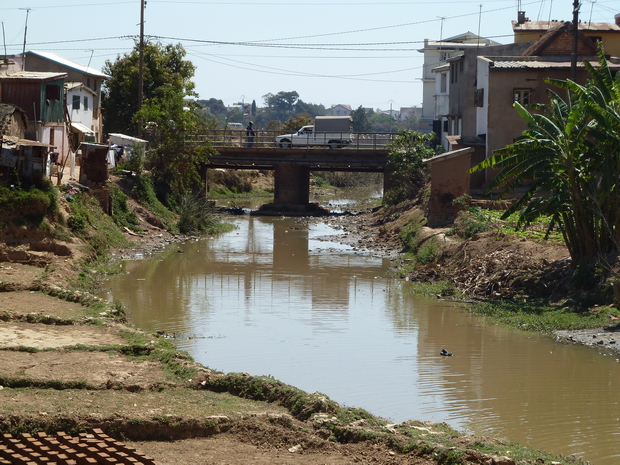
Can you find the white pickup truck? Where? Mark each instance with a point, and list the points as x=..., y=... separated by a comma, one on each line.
x=329, y=131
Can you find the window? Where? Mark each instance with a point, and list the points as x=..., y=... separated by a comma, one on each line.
x=76, y=102
x=454, y=73
x=52, y=92
x=444, y=83
x=85, y=103
x=479, y=97
x=523, y=96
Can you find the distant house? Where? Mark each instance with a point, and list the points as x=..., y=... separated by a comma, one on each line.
x=339, y=110
x=90, y=81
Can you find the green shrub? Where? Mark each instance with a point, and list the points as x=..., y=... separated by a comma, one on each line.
x=121, y=213
x=77, y=223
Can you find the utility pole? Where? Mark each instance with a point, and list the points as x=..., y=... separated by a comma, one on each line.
x=25, y=33
x=141, y=67
x=573, y=62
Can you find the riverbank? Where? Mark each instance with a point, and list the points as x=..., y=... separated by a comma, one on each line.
x=73, y=363
x=520, y=281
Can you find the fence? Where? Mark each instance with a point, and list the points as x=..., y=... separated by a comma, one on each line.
x=266, y=139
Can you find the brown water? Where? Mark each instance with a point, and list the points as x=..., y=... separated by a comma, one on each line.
x=270, y=299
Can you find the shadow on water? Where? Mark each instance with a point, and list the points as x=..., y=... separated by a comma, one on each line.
x=271, y=299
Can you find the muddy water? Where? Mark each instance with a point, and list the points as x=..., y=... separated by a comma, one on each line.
x=271, y=299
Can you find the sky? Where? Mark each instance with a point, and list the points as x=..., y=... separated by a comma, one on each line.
x=357, y=53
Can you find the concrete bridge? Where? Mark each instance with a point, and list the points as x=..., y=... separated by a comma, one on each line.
x=292, y=166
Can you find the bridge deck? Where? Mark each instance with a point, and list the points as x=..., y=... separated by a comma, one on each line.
x=318, y=159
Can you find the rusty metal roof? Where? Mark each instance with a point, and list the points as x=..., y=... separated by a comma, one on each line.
x=531, y=26
x=32, y=76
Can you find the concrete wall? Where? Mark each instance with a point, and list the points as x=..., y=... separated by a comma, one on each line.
x=449, y=179
x=292, y=185
x=504, y=122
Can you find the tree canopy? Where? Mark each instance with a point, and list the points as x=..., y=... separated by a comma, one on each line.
x=165, y=72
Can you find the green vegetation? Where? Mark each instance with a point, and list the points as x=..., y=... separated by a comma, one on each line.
x=31, y=206
x=409, y=174
x=122, y=215
x=538, y=315
x=569, y=158
x=98, y=230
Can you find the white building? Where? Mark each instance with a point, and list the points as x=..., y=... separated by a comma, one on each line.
x=339, y=110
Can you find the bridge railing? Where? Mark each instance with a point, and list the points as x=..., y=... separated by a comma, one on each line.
x=266, y=139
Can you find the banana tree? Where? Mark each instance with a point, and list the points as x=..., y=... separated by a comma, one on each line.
x=569, y=159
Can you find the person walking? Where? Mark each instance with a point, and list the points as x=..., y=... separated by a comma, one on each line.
x=249, y=132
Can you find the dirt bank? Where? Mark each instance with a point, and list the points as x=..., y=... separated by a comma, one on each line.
x=71, y=363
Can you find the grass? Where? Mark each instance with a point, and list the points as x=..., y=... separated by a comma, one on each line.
x=542, y=317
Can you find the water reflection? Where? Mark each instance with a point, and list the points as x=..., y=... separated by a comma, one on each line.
x=269, y=298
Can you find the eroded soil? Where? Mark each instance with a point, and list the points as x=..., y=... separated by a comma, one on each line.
x=65, y=364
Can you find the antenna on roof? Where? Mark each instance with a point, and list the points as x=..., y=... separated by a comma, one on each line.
x=91, y=57
x=6, y=57
x=25, y=32
x=591, y=8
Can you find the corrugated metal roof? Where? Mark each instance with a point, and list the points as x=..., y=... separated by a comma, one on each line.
x=535, y=64
x=33, y=76
x=68, y=63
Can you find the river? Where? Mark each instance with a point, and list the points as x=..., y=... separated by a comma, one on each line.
x=270, y=298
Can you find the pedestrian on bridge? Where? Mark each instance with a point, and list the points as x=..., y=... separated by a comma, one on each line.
x=249, y=132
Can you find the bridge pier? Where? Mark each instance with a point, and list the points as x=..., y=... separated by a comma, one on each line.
x=292, y=185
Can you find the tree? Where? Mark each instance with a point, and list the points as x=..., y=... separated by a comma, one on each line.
x=570, y=157
x=280, y=105
x=164, y=67
x=408, y=173
x=174, y=165
x=311, y=109
x=360, y=120
x=215, y=106
x=293, y=124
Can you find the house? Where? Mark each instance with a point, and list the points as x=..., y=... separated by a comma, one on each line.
x=406, y=113
x=435, y=82
x=80, y=112
x=41, y=96
x=484, y=83
x=459, y=108
x=91, y=81
x=17, y=153
x=607, y=33
x=13, y=121
x=503, y=80
x=339, y=110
